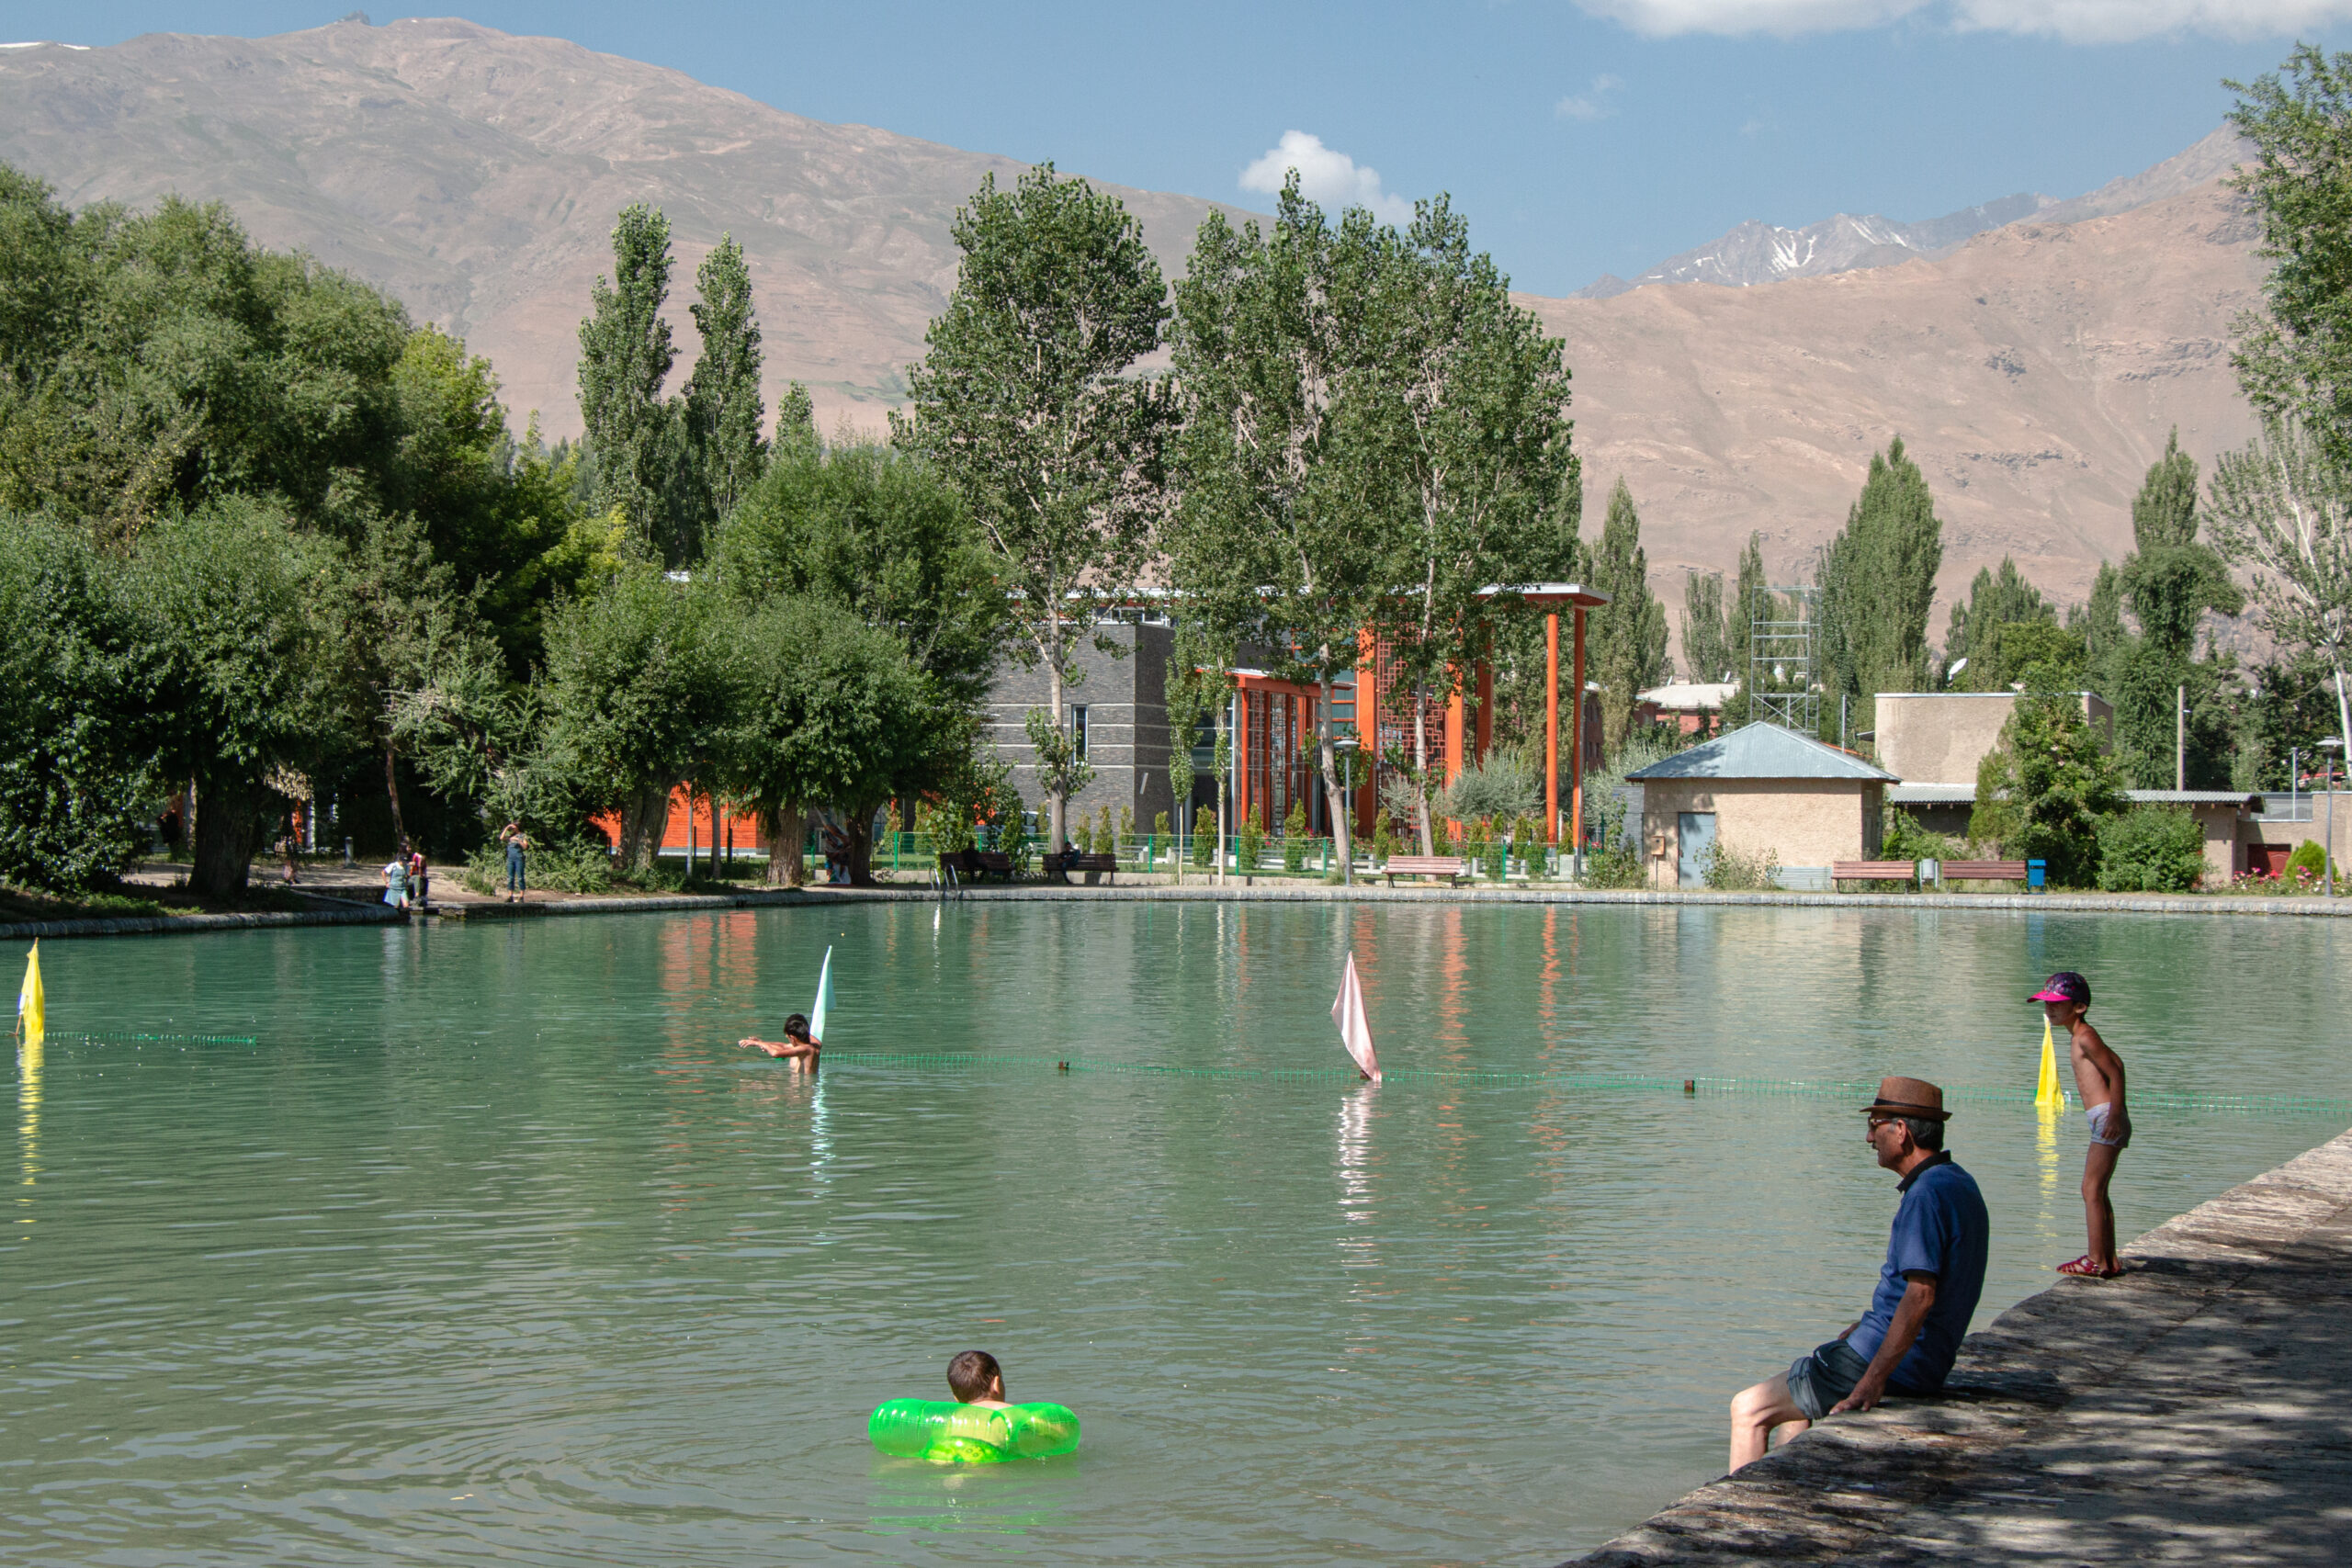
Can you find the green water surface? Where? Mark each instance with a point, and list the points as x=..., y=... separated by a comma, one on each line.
x=496, y=1248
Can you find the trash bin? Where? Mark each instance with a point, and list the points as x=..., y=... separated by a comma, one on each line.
x=2037, y=874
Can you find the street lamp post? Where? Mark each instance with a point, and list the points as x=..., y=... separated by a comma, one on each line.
x=1347, y=747
x=2331, y=744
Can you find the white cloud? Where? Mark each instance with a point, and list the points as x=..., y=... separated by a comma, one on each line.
x=2075, y=21
x=1327, y=178
x=1590, y=105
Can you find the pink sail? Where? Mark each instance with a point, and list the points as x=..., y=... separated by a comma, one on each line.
x=1355, y=1029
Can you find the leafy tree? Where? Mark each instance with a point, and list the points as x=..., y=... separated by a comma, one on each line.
x=1472, y=426
x=2043, y=793
x=2151, y=849
x=640, y=696
x=2171, y=580
x=1706, y=630
x=82, y=767
x=1994, y=604
x=1278, y=538
x=2294, y=356
x=723, y=407
x=1026, y=404
x=1878, y=581
x=831, y=711
x=879, y=532
x=2282, y=506
x=1625, y=640
x=234, y=599
x=625, y=359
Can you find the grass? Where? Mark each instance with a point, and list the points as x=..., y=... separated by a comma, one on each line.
x=125, y=902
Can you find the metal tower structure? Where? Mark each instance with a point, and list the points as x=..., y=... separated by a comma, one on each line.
x=1783, y=658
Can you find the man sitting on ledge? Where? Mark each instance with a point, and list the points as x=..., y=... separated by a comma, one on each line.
x=1926, y=1291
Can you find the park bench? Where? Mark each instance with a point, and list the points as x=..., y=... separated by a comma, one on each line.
x=959, y=866
x=1874, y=871
x=1984, y=871
x=1061, y=866
x=1453, y=868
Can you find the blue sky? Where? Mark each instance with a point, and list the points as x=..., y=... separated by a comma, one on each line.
x=1579, y=136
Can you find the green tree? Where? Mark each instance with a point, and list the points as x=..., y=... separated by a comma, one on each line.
x=1471, y=422
x=2170, y=580
x=2294, y=356
x=1278, y=537
x=1995, y=602
x=1026, y=403
x=1706, y=629
x=626, y=357
x=2043, y=793
x=723, y=410
x=235, y=601
x=2282, y=506
x=1625, y=638
x=641, y=697
x=1878, y=581
x=2151, y=849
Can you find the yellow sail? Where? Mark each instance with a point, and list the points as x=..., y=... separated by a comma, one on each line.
x=2047, y=1093
x=32, y=1006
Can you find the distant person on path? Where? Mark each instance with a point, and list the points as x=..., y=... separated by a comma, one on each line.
x=974, y=1378
x=1926, y=1290
x=396, y=882
x=419, y=879
x=516, y=844
x=291, y=843
x=2099, y=1074
x=797, y=1047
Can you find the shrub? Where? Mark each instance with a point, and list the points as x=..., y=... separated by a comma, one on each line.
x=2307, y=865
x=1013, y=833
x=1294, y=837
x=1160, y=832
x=583, y=867
x=1497, y=860
x=1254, y=840
x=1619, y=865
x=1204, y=836
x=1384, y=838
x=2152, y=849
x=1725, y=869
x=1905, y=840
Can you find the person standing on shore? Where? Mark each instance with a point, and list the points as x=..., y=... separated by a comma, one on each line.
x=2066, y=997
x=516, y=844
x=396, y=881
x=1927, y=1289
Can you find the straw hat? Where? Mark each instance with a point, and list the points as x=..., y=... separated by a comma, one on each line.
x=1909, y=1096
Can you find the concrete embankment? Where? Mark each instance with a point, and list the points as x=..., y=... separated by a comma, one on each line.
x=2197, y=1410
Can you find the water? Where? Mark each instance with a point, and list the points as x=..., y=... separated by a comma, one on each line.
x=495, y=1247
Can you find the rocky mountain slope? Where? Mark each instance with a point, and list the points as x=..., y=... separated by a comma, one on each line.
x=476, y=174
x=2034, y=369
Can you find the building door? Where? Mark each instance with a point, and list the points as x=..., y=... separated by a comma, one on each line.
x=1696, y=834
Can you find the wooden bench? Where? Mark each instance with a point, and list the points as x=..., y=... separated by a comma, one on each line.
x=1984, y=871
x=1059, y=867
x=1453, y=868
x=960, y=866
x=1873, y=871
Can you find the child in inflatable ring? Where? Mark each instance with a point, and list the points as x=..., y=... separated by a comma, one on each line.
x=980, y=1427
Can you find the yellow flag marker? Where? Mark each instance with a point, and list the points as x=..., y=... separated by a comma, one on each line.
x=32, y=1006
x=2047, y=1093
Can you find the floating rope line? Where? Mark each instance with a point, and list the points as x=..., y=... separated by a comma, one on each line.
x=158, y=1039
x=1623, y=1083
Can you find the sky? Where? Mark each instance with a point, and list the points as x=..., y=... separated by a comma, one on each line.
x=1580, y=137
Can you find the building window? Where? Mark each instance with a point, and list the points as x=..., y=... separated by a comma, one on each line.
x=1077, y=732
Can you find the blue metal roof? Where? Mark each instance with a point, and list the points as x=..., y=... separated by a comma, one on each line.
x=1762, y=752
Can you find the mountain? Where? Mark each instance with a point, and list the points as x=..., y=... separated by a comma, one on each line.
x=1757, y=252
x=2032, y=367
x=476, y=175
x=1762, y=252
x=2034, y=373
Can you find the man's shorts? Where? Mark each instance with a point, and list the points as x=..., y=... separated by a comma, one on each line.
x=2100, y=1115
x=1821, y=1379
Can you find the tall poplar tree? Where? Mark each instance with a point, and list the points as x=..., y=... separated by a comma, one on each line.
x=1878, y=581
x=1995, y=600
x=626, y=357
x=723, y=406
x=1026, y=404
x=1706, y=642
x=1626, y=637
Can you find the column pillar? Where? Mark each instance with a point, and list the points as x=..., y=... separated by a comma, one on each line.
x=1576, y=741
x=1552, y=728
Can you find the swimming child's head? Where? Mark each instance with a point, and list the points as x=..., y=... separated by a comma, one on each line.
x=797, y=1026
x=972, y=1373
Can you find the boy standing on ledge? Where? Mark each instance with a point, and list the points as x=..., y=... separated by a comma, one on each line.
x=2098, y=1075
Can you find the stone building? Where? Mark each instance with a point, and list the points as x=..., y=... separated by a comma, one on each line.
x=1118, y=708
x=1760, y=787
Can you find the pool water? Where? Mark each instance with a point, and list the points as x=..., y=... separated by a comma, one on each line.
x=495, y=1245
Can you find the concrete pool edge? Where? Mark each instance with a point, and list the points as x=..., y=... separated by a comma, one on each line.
x=785, y=897
x=2197, y=1399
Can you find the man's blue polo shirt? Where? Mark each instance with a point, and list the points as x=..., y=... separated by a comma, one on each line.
x=1940, y=1229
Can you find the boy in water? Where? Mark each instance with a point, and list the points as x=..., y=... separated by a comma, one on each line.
x=2098, y=1077
x=978, y=1381
x=797, y=1047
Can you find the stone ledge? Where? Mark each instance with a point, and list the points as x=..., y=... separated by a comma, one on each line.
x=190, y=925
x=2195, y=1410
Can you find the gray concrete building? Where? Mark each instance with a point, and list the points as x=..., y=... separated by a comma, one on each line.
x=1120, y=709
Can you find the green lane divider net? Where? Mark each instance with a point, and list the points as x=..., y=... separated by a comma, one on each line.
x=1628, y=1083
x=157, y=1039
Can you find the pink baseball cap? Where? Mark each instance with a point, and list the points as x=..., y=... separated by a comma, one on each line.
x=2064, y=987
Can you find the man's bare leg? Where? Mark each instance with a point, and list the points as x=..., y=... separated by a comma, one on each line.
x=1759, y=1411
x=2098, y=1214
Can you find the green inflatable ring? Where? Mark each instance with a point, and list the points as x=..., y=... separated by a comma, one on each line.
x=946, y=1433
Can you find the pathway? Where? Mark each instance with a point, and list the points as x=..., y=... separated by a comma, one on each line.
x=2199, y=1410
